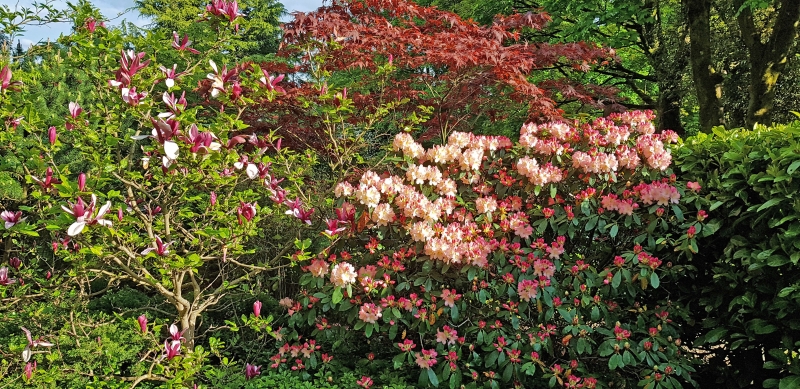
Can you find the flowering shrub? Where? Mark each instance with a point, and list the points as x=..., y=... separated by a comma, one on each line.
x=487, y=261
x=143, y=184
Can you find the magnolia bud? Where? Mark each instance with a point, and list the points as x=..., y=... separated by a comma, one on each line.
x=52, y=135
x=81, y=182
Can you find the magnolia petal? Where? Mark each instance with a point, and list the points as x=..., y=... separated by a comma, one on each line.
x=170, y=82
x=76, y=228
x=26, y=354
x=171, y=149
x=140, y=137
x=147, y=251
x=214, y=146
x=104, y=222
x=67, y=210
x=103, y=210
x=213, y=65
x=43, y=343
x=252, y=171
x=10, y=224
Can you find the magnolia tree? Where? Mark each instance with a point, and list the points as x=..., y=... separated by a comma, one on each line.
x=484, y=261
x=155, y=191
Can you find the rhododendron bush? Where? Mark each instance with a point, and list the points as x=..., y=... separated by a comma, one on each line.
x=484, y=261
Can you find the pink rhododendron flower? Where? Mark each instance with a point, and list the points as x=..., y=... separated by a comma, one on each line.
x=527, y=289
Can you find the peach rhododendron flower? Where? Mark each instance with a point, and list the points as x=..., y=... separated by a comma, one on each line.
x=318, y=268
x=370, y=313
x=527, y=289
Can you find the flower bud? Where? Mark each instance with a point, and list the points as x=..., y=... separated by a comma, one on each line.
x=257, y=308
x=52, y=135
x=81, y=182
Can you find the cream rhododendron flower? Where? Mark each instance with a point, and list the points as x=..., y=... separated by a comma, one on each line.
x=343, y=274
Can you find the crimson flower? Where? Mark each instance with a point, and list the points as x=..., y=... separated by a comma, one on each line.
x=250, y=371
x=182, y=44
x=172, y=349
x=11, y=218
x=220, y=77
x=92, y=24
x=5, y=280
x=159, y=247
x=213, y=198
x=15, y=262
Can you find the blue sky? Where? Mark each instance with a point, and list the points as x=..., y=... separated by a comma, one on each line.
x=116, y=11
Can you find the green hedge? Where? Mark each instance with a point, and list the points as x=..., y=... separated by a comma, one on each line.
x=747, y=295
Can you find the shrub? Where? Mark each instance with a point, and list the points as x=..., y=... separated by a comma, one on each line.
x=747, y=289
x=482, y=262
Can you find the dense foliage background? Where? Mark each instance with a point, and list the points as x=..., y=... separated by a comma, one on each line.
x=399, y=194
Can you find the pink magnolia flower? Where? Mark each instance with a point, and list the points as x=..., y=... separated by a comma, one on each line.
x=131, y=97
x=177, y=336
x=333, y=228
x=86, y=215
x=224, y=8
x=182, y=44
x=51, y=134
x=175, y=105
x=11, y=218
x=271, y=82
x=15, y=262
x=130, y=64
x=219, y=78
x=297, y=210
x=29, y=369
x=5, y=80
x=171, y=74
x=159, y=247
x=257, y=308
x=142, y=323
x=246, y=210
x=251, y=371
x=74, y=111
x=27, y=352
x=48, y=181
x=5, y=280
x=213, y=198
x=163, y=132
x=92, y=24
x=201, y=141
x=172, y=349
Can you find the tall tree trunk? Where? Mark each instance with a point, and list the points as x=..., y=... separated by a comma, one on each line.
x=706, y=79
x=767, y=56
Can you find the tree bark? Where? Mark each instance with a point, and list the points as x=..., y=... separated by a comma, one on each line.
x=706, y=79
x=767, y=56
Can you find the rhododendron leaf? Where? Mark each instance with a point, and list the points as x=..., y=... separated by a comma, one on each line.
x=654, y=280
x=432, y=377
x=455, y=379
x=616, y=280
x=614, y=231
x=491, y=359
x=368, y=330
x=508, y=372
x=615, y=361
x=678, y=212
x=392, y=335
x=337, y=296
x=398, y=360
x=454, y=312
